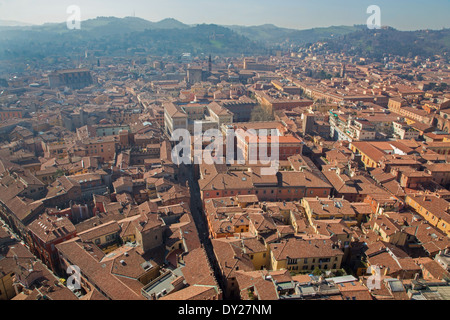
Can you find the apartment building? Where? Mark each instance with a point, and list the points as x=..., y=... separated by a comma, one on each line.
x=305, y=255
x=72, y=78
x=433, y=209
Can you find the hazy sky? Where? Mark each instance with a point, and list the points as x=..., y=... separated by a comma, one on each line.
x=299, y=14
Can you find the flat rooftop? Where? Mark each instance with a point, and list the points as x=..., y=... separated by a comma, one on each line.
x=164, y=282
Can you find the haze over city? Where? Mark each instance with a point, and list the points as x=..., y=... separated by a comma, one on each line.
x=296, y=14
x=231, y=157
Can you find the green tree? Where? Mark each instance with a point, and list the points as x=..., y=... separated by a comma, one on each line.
x=59, y=173
x=317, y=272
x=261, y=114
x=340, y=273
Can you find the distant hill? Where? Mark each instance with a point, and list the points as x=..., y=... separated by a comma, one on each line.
x=271, y=34
x=11, y=23
x=389, y=41
x=105, y=26
x=124, y=36
x=117, y=35
x=170, y=23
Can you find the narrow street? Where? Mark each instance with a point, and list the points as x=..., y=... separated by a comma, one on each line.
x=13, y=234
x=201, y=223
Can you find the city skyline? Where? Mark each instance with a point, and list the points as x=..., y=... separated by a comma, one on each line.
x=402, y=15
x=185, y=156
